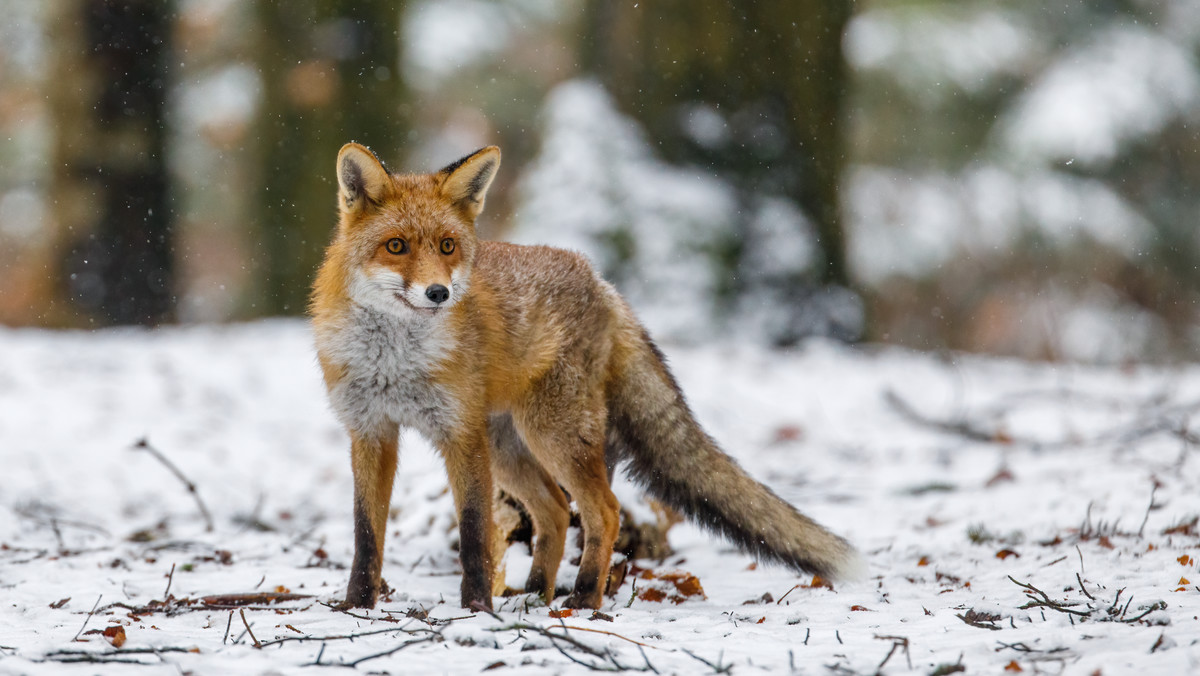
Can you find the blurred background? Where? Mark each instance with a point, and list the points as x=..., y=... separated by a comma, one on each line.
x=1014, y=177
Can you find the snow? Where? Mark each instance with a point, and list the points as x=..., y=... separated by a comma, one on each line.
x=1123, y=85
x=1075, y=458
x=969, y=47
x=910, y=223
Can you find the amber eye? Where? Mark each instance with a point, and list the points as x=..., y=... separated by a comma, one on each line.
x=396, y=245
x=447, y=246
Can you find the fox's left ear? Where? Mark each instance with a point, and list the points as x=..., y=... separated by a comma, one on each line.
x=466, y=181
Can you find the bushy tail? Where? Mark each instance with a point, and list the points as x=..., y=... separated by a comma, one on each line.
x=651, y=426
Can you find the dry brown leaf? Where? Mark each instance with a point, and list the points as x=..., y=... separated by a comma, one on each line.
x=115, y=635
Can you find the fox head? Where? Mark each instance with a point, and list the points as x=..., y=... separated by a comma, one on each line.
x=405, y=244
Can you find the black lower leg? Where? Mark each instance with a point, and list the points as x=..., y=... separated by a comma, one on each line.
x=474, y=552
x=364, y=575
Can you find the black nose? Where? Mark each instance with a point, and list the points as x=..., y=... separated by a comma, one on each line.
x=437, y=293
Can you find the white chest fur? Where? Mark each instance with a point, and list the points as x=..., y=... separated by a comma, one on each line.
x=387, y=362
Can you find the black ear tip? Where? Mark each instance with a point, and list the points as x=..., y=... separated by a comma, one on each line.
x=453, y=166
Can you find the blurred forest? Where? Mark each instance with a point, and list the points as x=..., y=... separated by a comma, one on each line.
x=1014, y=177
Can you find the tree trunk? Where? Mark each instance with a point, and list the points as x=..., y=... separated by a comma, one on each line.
x=331, y=75
x=111, y=188
x=771, y=69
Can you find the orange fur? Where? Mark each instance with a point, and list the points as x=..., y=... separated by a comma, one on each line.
x=520, y=365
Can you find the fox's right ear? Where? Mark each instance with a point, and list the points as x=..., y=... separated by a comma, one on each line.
x=362, y=178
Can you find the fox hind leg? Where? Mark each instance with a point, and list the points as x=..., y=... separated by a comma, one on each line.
x=573, y=452
x=519, y=473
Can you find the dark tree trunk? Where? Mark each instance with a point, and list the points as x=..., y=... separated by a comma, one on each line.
x=772, y=69
x=331, y=75
x=111, y=183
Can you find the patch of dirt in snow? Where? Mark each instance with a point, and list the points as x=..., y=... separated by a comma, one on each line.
x=1012, y=516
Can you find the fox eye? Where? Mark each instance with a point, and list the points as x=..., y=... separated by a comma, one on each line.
x=396, y=245
x=448, y=246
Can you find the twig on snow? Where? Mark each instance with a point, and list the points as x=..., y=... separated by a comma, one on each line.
x=347, y=637
x=89, y=617
x=122, y=656
x=980, y=620
x=242, y=612
x=392, y=651
x=961, y=428
x=1039, y=599
x=144, y=445
x=898, y=643
x=1083, y=588
x=170, y=579
x=717, y=668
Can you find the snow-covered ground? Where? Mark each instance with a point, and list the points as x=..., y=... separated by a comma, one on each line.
x=950, y=473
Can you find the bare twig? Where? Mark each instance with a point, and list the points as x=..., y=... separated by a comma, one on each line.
x=781, y=598
x=89, y=616
x=1083, y=588
x=347, y=637
x=122, y=656
x=898, y=643
x=170, y=579
x=228, y=624
x=608, y=633
x=242, y=612
x=647, y=659
x=337, y=607
x=980, y=620
x=392, y=651
x=1149, y=507
x=144, y=445
x=256, y=598
x=717, y=668
x=1039, y=599
x=961, y=428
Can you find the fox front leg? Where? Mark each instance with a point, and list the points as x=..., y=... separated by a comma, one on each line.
x=373, y=459
x=469, y=471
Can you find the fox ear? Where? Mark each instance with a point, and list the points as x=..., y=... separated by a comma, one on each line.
x=466, y=181
x=362, y=178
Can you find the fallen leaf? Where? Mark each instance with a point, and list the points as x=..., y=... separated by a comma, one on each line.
x=1005, y=553
x=761, y=619
x=495, y=665
x=559, y=614
x=60, y=603
x=860, y=608
x=652, y=595
x=1106, y=543
x=1185, y=560
x=819, y=581
x=1013, y=666
x=924, y=561
x=282, y=590
x=1183, y=580
x=115, y=635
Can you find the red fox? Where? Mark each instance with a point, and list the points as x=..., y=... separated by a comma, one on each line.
x=523, y=367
